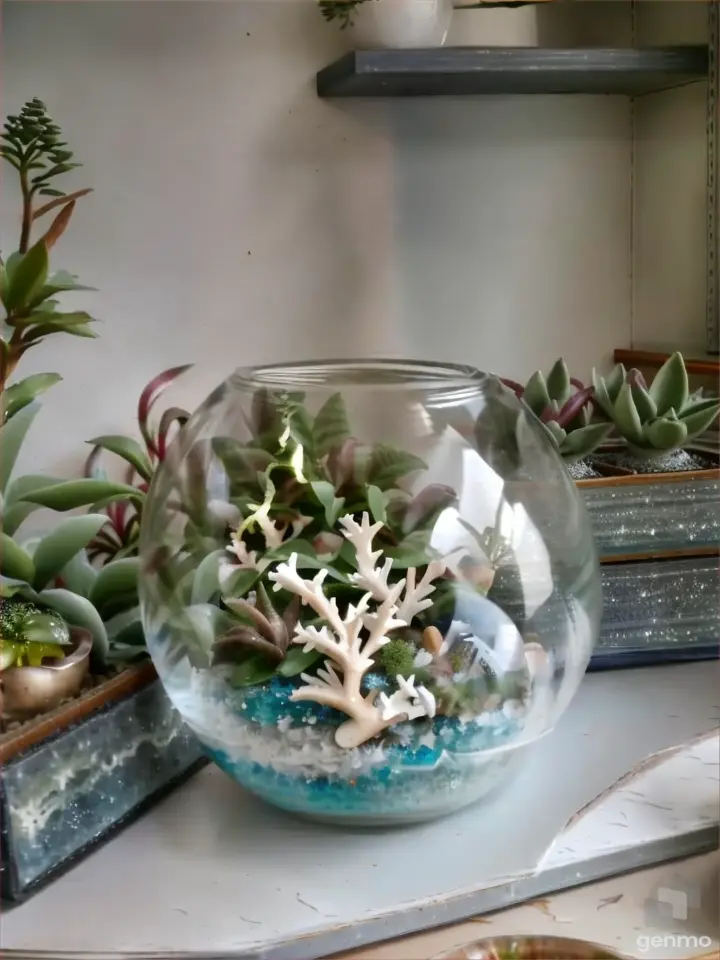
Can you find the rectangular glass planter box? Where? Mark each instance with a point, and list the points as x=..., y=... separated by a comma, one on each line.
x=71, y=779
x=654, y=515
x=659, y=611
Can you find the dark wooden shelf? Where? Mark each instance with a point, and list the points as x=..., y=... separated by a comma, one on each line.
x=697, y=361
x=463, y=71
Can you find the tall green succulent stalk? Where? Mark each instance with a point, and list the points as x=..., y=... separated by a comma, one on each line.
x=564, y=407
x=32, y=145
x=654, y=420
x=40, y=570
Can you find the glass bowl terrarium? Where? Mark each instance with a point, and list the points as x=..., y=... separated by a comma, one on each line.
x=367, y=585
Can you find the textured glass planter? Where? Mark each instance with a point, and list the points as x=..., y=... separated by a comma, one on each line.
x=659, y=611
x=368, y=585
x=651, y=515
x=74, y=776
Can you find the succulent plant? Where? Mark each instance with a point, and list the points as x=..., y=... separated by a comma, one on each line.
x=564, y=407
x=657, y=419
x=51, y=573
x=341, y=11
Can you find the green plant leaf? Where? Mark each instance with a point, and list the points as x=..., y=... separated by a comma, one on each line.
x=79, y=575
x=240, y=583
x=325, y=492
x=61, y=282
x=601, y=395
x=413, y=551
x=12, y=435
x=130, y=451
x=557, y=433
x=665, y=434
x=388, y=465
x=669, y=388
x=536, y=394
x=116, y=585
x=206, y=580
x=19, y=395
x=15, y=562
x=255, y=669
x=614, y=381
x=27, y=278
x=41, y=330
x=700, y=417
x=241, y=463
x=558, y=383
x=59, y=546
x=377, y=503
x=79, y=612
x=627, y=419
x=644, y=403
x=15, y=512
x=297, y=661
x=72, y=494
x=580, y=443
x=331, y=427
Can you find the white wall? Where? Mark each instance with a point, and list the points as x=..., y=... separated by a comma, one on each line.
x=670, y=198
x=237, y=218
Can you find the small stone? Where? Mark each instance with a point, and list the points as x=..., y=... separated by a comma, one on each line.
x=492, y=703
x=432, y=640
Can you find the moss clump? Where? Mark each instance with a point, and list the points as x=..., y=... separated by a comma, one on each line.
x=396, y=658
x=29, y=635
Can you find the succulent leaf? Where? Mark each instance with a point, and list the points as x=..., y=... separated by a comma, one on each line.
x=558, y=383
x=22, y=393
x=12, y=435
x=15, y=562
x=698, y=418
x=670, y=385
x=626, y=416
x=536, y=394
x=58, y=547
x=614, y=381
x=666, y=434
x=602, y=396
x=644, y=403
x=78, y=612
x=580, y=443
x=71, y=494
x=27, y=278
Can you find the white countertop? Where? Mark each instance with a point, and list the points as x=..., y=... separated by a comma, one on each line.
x=629, y=778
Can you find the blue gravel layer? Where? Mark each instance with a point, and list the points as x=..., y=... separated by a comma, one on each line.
x=413, y=778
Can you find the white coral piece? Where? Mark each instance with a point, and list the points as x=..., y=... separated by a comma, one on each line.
x=351, y=641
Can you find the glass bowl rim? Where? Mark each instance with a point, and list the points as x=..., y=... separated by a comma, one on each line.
x=377, y=373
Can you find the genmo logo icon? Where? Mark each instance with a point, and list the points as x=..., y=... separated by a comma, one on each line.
x=673, y=906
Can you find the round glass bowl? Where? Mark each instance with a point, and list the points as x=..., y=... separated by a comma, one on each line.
x=367, y=585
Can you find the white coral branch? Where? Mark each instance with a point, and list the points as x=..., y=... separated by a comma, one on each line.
x=408, y=701
x=351, y=641
x=415, y=599
x=247, y=558
x=360, y=535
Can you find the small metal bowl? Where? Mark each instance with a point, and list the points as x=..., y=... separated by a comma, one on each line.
x=28, y=691
x=531, y=948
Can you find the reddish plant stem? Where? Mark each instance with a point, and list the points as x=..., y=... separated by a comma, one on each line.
x=27, y=213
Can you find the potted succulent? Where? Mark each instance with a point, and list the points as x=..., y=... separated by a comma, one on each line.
x=652, y=493
x=391, y=23
x=63, y=661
